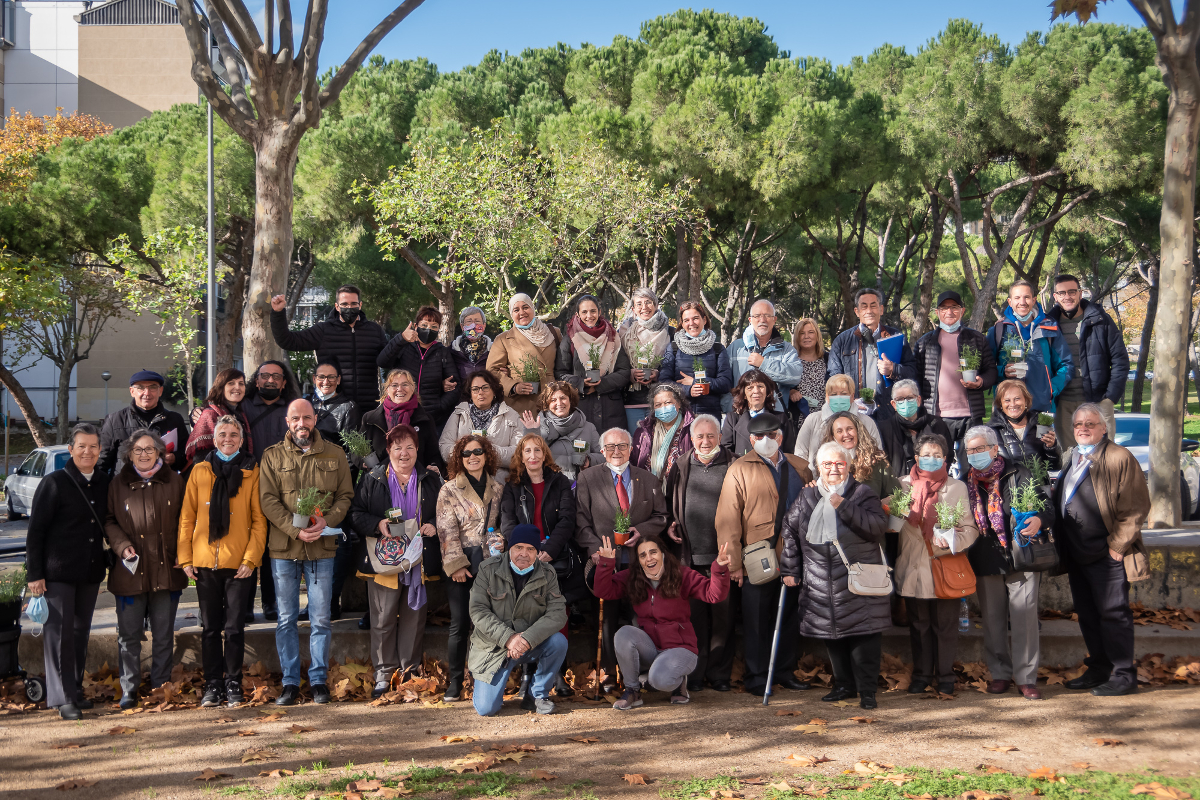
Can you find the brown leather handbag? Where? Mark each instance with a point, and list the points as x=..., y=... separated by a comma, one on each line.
x=953, y=577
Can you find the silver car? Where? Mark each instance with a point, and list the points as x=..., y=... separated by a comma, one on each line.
x=20, y=486
x=1133, y=433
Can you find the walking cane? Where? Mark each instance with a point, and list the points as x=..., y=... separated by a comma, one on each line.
x=599, y=645
x=775, y=643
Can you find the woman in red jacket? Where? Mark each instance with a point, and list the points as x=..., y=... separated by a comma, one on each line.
x=659, y=589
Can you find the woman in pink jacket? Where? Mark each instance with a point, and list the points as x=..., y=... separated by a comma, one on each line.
x=664, y=646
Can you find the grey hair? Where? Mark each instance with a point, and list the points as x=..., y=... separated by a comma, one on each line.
x=863, y=292
x=763, y=300
x=604, y=436
x=709, y=418
x=85, y=428
x=126, y=447
x=667, y=386
x=988, y=434
x=228, y=419
x=645, y=292
x=906, y=383
x=1091, y=408
x=833, y=448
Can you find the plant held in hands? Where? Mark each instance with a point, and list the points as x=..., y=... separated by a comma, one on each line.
x=529, y=370
x=898, y=506
x=1028, y=498
x=310, y=504
x=595, y=351
x=867, y=395
x=1015, y=347
x=1038, y=470
x=356, y=443
x=968, y=360
x=700, y=374
x=948, y=516
x=621, y=527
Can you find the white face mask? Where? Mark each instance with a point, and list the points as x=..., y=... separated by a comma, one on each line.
x=708, y=455
x=766, y=447
x=618, y=469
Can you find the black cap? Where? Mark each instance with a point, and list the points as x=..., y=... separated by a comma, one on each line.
x=944, y=296
x=147, y=375
x=764, y=423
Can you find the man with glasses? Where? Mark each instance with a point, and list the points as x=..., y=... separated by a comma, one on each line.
x=1098, y=353
x=418, y=350
x=762, y=347
x=1102, y=503
x=337, y=414
x=755, y=495
x=145, y=410
x=855, y=352
x=346, y=334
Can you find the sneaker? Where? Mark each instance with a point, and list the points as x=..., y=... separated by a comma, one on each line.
x=380, y=689
x=543, y=705
x=631, y=698
x=320, y=693
x=212, y=697
x=453, y=693
x=233, y=694
x=289, y=696
x=681, y=695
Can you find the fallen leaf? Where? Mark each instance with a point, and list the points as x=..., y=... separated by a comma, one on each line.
x=258, y=754
x=1109, y=742
x=1157, y=790
x=582, y=739
x=247, y=732
x=862, y=720
x=806, y=761
x=1002, y=748
x=223, y=720
x=272, y=717
x=542, y=775
x=458, y=738
x=121, y=730
x=274, y=712
x=716, y=793
x=300, y=729
x=636, y=779
x=68, y=746
x=1083, y=765
x=1046, y=774
x=926, y=796
x=866, y=768
x=810, y=729
x=992, y=770
x=843, y=704
x=364, y=786
x=782, y=786
x=899, y=779
x=209, y=774
x=979, y=794
x=728, y=735
x=818, y=721
x=276, y=773
x=388, y=793
x=74, y=783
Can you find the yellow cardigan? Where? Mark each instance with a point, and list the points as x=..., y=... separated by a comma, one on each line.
x=247, y=536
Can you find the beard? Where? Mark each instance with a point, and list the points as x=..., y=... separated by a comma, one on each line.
x=302, y=436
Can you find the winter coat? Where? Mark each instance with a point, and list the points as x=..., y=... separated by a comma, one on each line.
x=503, y=433
x=900, y=443
x=928, y=353
x=675, y=491
x=845, y=358
x=247, y=536
x=643, y=443
x=285, y=470
x=914, y=570
x=781, y=363
x=987, y=555
x=828, y=609
x=604, y=407
x=145, y=515
x=466, y=520
x=268, y=423
x=563, y=447
x=1046, y=351
x=639, y=394
x=749, y=502
x=666, y=620
x=508, y=351
x=596, y=505
x=1018, y=450
x=373, y=498
x=428, y=372
x=462, y=359
x=336, y=416
x=1124, y=501
x=65, y=539
x=735, y=432
x=356, y=350
x=200, y=442
x=558, y=510
x=120, y=424
x=375, y=427
x=1103, y=358
x=498, y=612
x=718, y=372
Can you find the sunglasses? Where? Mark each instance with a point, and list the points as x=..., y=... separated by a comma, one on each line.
x=478, y=451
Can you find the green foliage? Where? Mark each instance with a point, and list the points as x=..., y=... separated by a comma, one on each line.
x=698, y=367
x=1045, y=419
x=900, y=502
x=529, y=370
x=644, y=356
x=1028, y=497
x=867, y=395
x=12, y=585
x=948, y=516
x=621, y=522
x=1013, y=342
x=595, y=351
x=968, y=358
x=356, y=443
x=310, y=499
x=1037, y=470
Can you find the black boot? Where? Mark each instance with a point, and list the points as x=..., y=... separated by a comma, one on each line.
x=868, y=701
x=561, y=688
x=526, y=676
x=840, y=693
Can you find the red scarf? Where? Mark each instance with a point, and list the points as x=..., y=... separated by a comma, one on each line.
x=399, y=413
x=925, y=488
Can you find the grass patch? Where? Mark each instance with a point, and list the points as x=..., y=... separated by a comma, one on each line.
x=241, y=791
x=696, y=787
x=421, y=780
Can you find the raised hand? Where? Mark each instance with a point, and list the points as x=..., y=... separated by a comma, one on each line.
x=723, y=557
x=409, y=334
x=532, y=421
x=278, y=303
x=606, y=548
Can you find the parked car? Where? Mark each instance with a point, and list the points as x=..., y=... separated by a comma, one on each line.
x=1133, y=432
x=20, y=486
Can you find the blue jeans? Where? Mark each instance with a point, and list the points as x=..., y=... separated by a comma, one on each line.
x=318, y=576
x=549, y=655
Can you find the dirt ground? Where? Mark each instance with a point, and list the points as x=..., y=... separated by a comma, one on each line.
x=715, y=733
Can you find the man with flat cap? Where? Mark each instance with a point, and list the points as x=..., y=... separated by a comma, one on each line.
x=757, y=491
x=145, y=410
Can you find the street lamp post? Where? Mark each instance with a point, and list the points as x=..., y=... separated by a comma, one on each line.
x=106, y=375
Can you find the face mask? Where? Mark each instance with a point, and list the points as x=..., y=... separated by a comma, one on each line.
x=348, y=315
x=980, y=461
x=907, y=408
x=1025, y=318
x=618, y=469
x=666, y=413
x=930, y=463
x=224, y=457
x=1012, y=419
x=426, y=335
x=1085, y=449
x=951, y=328
x=767, y=447
x=526, y=327
x=322, y=396
x=525, y=571
x=707, y=455
x=839, y=404
x=473, y=332
x=269, y=392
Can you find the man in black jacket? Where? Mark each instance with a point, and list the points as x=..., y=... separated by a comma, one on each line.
x=145, y=411
x=1099, y=354
x=347, y=334
x=64, y=560
x=855, y=352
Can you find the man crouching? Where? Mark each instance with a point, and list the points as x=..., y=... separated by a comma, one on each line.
x=518, y=611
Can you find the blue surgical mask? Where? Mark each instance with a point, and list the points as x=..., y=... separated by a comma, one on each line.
x=839, y=404
x=930, y=463
x=1025, y=318
x=322, y=396
x=525, y=571
x=666, y=413
x=907, y=408
x=526, y=327
x=224, y=457
x=980, y=461
x=951, y=328
x=1085, y=449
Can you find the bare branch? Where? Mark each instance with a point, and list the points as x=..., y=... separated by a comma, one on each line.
x=241, y=23
x=202, y=73
x=334, y=89
x=237, y=86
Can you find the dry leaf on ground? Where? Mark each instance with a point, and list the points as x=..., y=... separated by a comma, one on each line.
x=120, y=730
x=979, y=794
x=1083, y=765
x=515, y=748
x=210, y=774
x=300, y=729
x=247, y=732
x=223, y=720
x=273, y=716
x=1161, y=792
x=582, y=739
x=74, y=783
x=258, y=754
x=1002, y=748
x=862, y=720
x=1046, y=774
x=456, y=738
x=818, y=721
x=542, y=775
x=276, y=773
x=364, y=786
x=782, y=786
x=806, y=761
x=637, y=778
x=68, y=746
x=899, y=779
x=926, y=796
x=810, y=729
x=843, y=704
x=993, y=770
x=718, y=793
x=1109, y=742
x=866, y=768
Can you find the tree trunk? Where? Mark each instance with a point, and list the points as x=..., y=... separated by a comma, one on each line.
x=1139, y=381
x=923, y=304
x=696, y=279
x=445, y=301
x=64, y=399
x=26, y=406
x=683, y=260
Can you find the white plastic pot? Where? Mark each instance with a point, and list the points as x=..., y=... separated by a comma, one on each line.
x=1021, y=370
x=969, y=375
x=301, y=521
x=895, y=523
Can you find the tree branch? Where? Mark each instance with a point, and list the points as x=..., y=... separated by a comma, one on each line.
x=240, y=21
x=342, y=77
x=197, y=36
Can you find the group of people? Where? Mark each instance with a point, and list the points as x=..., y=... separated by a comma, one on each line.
x=670, y=485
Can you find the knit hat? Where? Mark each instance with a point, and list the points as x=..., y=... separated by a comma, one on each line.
x=525, y=534
x=147, y=375
x=468, y=311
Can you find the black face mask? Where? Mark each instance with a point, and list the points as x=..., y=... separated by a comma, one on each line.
x=348, y=315
x=1015, y=420
x=426, y=335
x=269, y=392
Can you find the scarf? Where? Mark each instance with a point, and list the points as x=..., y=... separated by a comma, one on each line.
x=994, y=516
x=227, y=482
x=553, y=428
x=823, y=523
x=405, y=498
x=473, y=350
x=538, y=333
x=917, y=423
x=148, y=474
x=604, y=334
x=398, y=413
x=925, y=488
x=654, y=332
x=480, y=420
x=662, y=445
x=695, y=345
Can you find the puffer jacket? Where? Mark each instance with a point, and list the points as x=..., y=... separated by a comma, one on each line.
x=503, y=433
x=498, y=612
x=285, y=471
x=987, y=555
x=1018, y=450
x=247, y=536
x=845, y=358
x=429, y=373
x=781, y=363
x=899, y=442
x=828, y=609
x=373, y=498
x=145, y=515
x=464, y=520
x=336, y=416
x=120, y=424
x=509, y=350
x=666, y=620
x=1103, y=357
x=356, y=350
x=605, y=407
x=643, y=443
x=718, y=372
x=928, y=352
x=914, y=570
x=1047, y=353
x=558, y=510
x=375, y=427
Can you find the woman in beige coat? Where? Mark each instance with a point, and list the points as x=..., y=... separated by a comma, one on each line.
x=528, y=340
x=933, y=622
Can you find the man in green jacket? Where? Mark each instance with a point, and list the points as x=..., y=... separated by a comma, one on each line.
x=518, y=613
x=303, y=460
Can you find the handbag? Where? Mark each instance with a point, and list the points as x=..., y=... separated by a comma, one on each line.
x=868, y=580
x=1032, y=554
x=390, y=556
x=759, y=560
x=953, y=577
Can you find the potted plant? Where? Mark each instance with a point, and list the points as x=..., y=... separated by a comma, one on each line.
x=357, y=446
x=621, y=527
x=12, y=589
x=898, y=506
x=310, y=504
x=1038, y=471
x=1016, y=354
x=868, y=398
x=398, y=526
x=1045, y=424
x=700, y=375
x=948, y=517
x=645, y=359
x=1026, y=502
x=530, y=371
x=579, y=449
x=592, y=365
x=968, y=361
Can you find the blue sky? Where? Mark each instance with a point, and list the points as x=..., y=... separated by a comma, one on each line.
x=455, y=33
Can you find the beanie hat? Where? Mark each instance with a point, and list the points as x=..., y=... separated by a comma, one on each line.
x=525, y=534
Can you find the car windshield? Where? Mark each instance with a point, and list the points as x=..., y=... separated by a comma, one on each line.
x=1133, y=432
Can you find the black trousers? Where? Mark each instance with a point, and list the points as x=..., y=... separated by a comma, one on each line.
x=459, y=596
x=268, y=586
x=65, y=639
x=760, y=605
x=1101, y=594
x=933, y=630
x=856, y=660
x=343, y=568
x=714, y=637
x=958, y=429
x=224, y=601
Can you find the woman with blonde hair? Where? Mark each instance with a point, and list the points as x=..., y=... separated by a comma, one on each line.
x=810, y=345
x=401, y=405
x=839, y=397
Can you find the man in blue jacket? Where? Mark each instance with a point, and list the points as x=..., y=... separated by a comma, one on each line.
x=1099, y=354
x=1045, y=363
x=763, y=348
x=855, y=352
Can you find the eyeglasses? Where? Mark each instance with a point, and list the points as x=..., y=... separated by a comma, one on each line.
x=833, y=466
x=760, y=317
x=1067, y=293
x=325, y=378
x=615, y=448
x=146, y=389
x=480, y=389
x=434, y=328
x=974, y=451
x=271, y=377
x=1087, y=425
x=394, y=386
x=478, y=451
x=145, y=451
x=349, y=305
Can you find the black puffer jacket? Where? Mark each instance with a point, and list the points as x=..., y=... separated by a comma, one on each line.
x=1015, y=449
x=355, y=349
x=65, y=541
x=428, y=372
x=929, y=362
x=900, y=444
x=828, y=609
x=373, y=498
x=375, y=427
x=336, y=416
x=1103, y=358
x=987, y=556
x=121, y=423
x=558, y=510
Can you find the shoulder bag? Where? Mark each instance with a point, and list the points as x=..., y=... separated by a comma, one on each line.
x=1032, y=554
x=953, y=577
x=759, y=560
x=868, y=580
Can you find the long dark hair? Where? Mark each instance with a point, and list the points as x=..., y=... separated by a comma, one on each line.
x=216, y=395
x=748, y=377
x=637, y=588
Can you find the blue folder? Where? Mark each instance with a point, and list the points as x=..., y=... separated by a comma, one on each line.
x=892, y=347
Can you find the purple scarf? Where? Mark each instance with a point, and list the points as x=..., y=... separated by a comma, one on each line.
x=406, y=501
x=988, y=510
